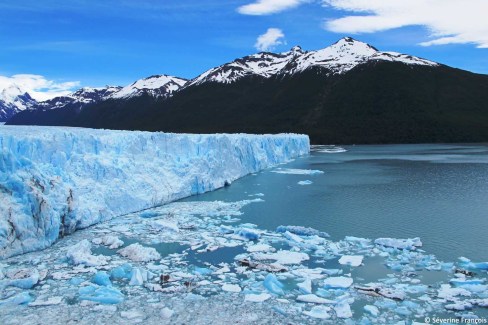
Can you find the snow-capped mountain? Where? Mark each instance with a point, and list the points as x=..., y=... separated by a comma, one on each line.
x=79, y=98
x=156, y=86
x=348, y=92
x=338, y=58
x=13, y=100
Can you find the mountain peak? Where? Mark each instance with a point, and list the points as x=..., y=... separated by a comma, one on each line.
x=351, y=45
x=156, y=85
x=296, y=49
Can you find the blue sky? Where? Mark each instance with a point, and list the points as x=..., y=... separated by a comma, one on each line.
x=95, y=43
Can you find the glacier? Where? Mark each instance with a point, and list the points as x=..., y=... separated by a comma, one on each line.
x=56, y=180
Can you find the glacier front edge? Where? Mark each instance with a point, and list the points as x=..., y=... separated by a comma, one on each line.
x=56, y=180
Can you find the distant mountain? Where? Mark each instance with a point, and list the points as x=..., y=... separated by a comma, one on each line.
x=349, y=92
x=338, y=58
x=13, y=100
x=158, y=86
x=78, y=99
x=161, y=86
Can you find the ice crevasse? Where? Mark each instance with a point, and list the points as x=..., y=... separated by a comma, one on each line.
x=56, y=180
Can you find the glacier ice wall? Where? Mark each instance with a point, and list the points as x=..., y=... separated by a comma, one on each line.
x=56, y=180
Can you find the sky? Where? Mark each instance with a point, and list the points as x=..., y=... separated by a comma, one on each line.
x=53, y=47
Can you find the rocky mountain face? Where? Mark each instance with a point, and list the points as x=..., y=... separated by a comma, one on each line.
x=349, y=92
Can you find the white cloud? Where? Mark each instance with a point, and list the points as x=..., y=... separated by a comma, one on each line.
x=267, y=7
x=270, y=39
x=448, y=21
x=38, y=86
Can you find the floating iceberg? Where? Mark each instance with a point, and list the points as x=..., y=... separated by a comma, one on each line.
x=112, y=242
x=409, y=243
x=81, y=254
x=56, y=180
x=352, y=260
x=339, y=282
x=103, y=295
x=273, y=285
x=320, y=312
x=295, y=171
x=138, y=253
x=302, y=231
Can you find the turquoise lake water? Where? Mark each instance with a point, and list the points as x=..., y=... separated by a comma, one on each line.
x=436, y=192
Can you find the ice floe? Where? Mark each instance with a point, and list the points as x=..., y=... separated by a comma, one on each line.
x=138, y=253
x=295, y=171
x=215, y=266
x=352, y=260
x=409, y=243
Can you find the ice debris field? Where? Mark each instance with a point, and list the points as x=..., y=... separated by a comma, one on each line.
x=198, y=263
x=54, y=180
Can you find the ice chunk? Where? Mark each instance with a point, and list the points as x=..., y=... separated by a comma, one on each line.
x=259, y=248
x=302, y=231
x=76, y=281
x=81, y=254
x=305, y=286
x=343, y=310
x=102, y=279
x=403, y=311
x=320, y=312
x=373, y=310
x=112, y=242
x=250, y=234
x=409, y=243
x=104, y=295
x=252, y=297
x=139, y=276
x=21, y=278
x=283, y=257
x=352, y=260
x=164, y=224
x=138, y=253
x=362, y=242
x=466, y=282
x=166, y=313
x=231, y=287
x=311, y=298
x=132, y=314
x=136, y=278
x=294, y=171
x=339, y=282
x=18, y=299
x=306, y=182
x=122, y=272
x=449, y=293
x=466, y=263
x=273, y=285
x=46, y=302
x=459, y=305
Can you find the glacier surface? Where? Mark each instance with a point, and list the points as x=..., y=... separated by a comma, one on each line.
x=54, y=181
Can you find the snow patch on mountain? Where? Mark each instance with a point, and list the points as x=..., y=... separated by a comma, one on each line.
x=156, y=86
x=338, y=58
x=14, y=99
x=80, y=98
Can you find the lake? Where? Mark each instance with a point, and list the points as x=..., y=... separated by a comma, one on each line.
x=438, y=192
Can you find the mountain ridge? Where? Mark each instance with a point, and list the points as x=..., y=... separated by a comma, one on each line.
x=346, y=93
